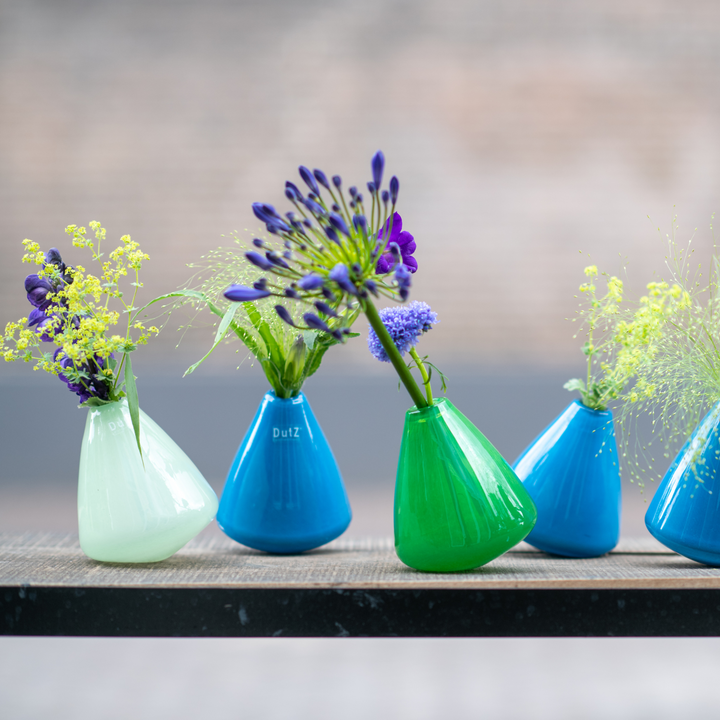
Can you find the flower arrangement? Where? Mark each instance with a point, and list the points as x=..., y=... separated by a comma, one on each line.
x=288, y=356
x=72, y=314
x=336, y=252
x=619, y=341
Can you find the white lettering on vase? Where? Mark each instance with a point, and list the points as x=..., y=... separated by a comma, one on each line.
x=285, y=433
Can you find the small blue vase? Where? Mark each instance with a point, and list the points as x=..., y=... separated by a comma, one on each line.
x=284, y=492
x=571, y=472
x=684, y=513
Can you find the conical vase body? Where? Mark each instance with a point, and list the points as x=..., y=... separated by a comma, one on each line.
x=284, y=492
x=684, y=513
x=458, y=504
x=571, y=472
x=130, y=512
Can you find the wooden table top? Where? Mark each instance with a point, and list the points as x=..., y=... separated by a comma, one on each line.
x=642, y=588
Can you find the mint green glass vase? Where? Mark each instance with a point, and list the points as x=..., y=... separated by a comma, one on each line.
x=130, y=512
x=458, y=504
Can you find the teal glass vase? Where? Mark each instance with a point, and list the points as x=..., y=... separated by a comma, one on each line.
x=458, y=504
x=284, y=493
x=572, y=474
x=133, y=509
x=684, y=513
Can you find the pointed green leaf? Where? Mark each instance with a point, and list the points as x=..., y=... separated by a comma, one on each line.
x=222, y=330
x=133, y=403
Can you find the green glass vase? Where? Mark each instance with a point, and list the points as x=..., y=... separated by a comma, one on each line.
x=133, y=510
x=458, y=504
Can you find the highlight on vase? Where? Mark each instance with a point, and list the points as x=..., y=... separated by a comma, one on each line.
x=140, y=499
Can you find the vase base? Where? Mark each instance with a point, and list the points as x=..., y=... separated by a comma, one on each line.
x=705, y=557
x=562, y=547
x=288, y=545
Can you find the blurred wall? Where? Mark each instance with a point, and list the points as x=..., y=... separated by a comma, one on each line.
x=523, y=132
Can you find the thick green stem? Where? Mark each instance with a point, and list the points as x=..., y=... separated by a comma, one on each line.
x=393, y=353
x=424, y=373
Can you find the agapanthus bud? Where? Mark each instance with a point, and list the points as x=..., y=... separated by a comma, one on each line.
x=341, y=276
x=385, y=196
x=265, y=212
x=310, y=282
x=378, y=165
x=258, y=260
x=289, y=292
x=275, y=259
x=307, y=176
x=293, y=192
x=332, y=234
x=314, y=208
x=338, y=223
x=314, y=322
x=394, y=189
x=372, y=287
x=359, y=198
x=360, y=223
x=260, y=284
x=356, y=268
x=335, y=207
x=257, y=242
x=321, y=178
x=325, y=309
x=284, y=315
x=394, y=250
x=371, y=188
x=337, y=181
x=328, y=294
x=352, y=191
x=242, y=293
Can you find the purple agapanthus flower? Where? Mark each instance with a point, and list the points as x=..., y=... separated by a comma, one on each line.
x=405, y=324
x=405, y=242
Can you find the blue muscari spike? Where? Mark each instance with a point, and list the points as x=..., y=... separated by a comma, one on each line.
x=259, y=260
x=339, y=224
x=378, y=165
x=314, y=322
x=321, y=178
x=284, y=315
x=337, y=181
x=307, y=176
x=325, y=309
x=394, y=189
x=294, y=191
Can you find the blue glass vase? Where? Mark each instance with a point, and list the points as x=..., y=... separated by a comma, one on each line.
x=571, y=472
x=284, y=492
x=684, y=513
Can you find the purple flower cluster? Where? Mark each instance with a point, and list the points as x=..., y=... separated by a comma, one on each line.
x=405, y=324
x=337, y=247
x=83, y=379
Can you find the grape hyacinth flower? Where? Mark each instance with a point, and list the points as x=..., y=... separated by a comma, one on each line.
x=339, y=250
x=405, y=325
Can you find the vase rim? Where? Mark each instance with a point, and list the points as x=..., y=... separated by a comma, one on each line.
x=295, y=398
x=579, y=402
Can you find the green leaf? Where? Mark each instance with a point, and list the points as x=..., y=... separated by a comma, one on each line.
x=575, y=384
x=222, y=330
x=273, y=348
x=178, y=293
x=133, y=403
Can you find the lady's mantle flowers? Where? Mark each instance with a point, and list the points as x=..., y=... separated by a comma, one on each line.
x=71, y=311
x=405, y=324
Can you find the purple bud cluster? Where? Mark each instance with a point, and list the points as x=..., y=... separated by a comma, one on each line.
x=337, y=248
x=405, y=324
x=49, y=310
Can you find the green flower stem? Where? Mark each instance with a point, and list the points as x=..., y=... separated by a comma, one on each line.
x=393, y=353
x=424, y=373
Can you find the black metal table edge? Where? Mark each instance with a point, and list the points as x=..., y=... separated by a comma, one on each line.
x=329, y=612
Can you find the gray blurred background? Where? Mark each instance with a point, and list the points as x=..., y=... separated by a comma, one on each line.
x=530, y=138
